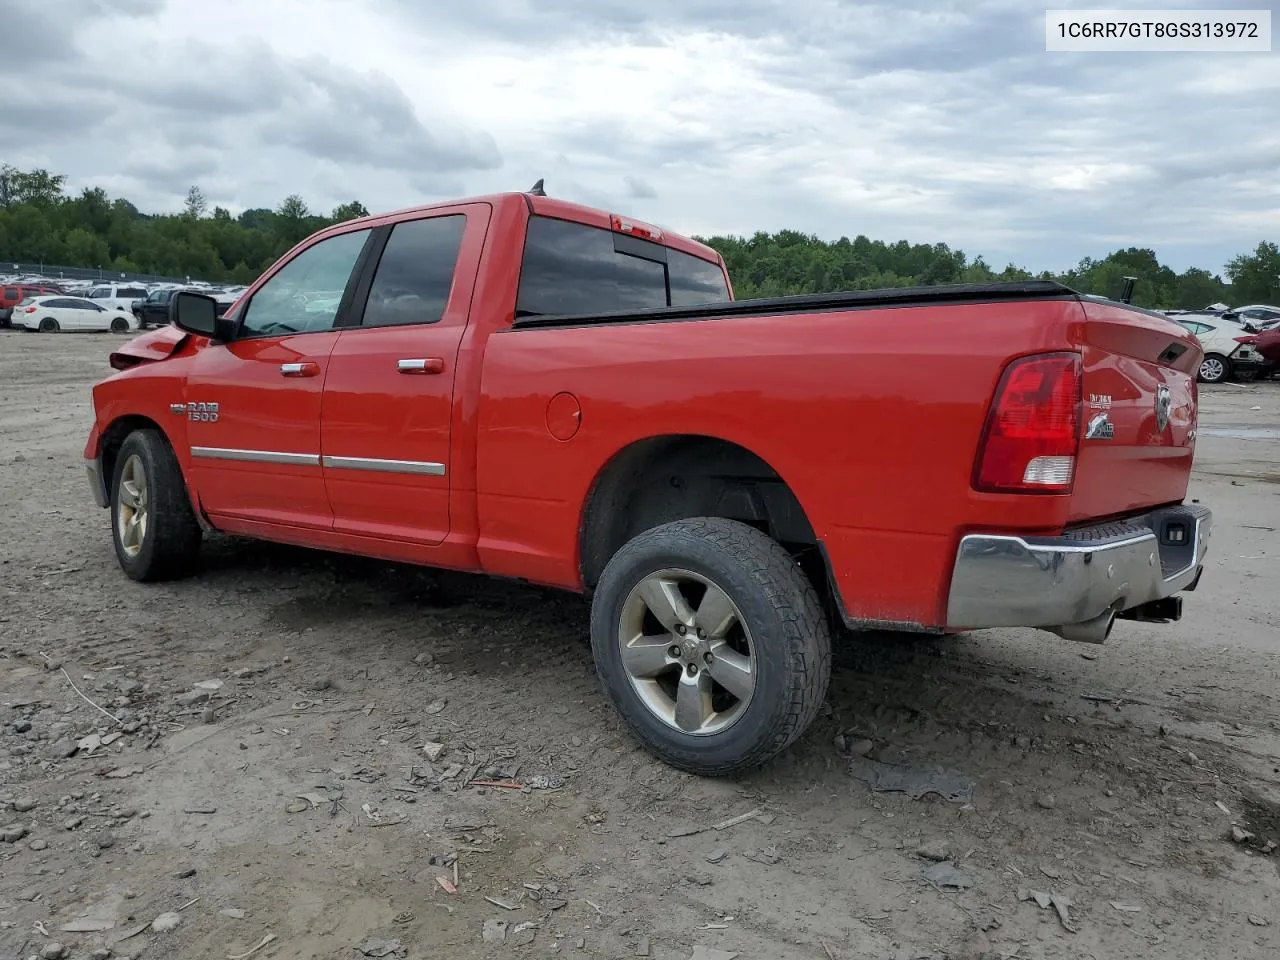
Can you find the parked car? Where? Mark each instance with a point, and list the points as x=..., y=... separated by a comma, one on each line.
x=12, y=294
x=1228, y=347
x=1260, y=316
x=1267, y=343
x=528, y=388
x=52, y=314
x=118, y=295
x=153, y=310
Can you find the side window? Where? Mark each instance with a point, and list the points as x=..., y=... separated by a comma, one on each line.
x=304, y=295
x=100, y=293
x=132, y=293
x=415, y=273
x=11, y=293
x=570, y=268
x=694, y=280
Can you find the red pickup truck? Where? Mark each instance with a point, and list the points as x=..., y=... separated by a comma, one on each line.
x=520, y=386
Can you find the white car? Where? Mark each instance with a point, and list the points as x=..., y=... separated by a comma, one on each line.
x=1261, y=315
x=119, y=295
x=49, y=314
x=1225, y=355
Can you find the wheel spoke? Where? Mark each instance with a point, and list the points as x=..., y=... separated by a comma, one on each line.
x=646, y=657
x=693, y=702
x=666, y=602
x=128, y=493
x=715, y=613
x=732, y=671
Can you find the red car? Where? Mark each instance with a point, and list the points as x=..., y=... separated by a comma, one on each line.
x=528, y=388
x=1267, y=343
x=12, y=294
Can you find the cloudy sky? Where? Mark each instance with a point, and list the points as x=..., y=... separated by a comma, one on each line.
x=929, y=120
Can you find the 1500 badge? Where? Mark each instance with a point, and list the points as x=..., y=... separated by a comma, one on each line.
x=202, y=412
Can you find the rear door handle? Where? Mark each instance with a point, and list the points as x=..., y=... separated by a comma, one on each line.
x=307, y=368
x=421, y=365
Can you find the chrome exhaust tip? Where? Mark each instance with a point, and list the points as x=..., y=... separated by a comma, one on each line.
x=1088, y=631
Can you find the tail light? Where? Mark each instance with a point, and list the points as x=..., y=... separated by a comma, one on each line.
x=1251, y=339
x=29, y=310
x=1033, y=431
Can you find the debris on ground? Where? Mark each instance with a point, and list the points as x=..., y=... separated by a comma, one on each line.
x=1061, y=905
x=495, y=931
x=252, y=950
x=946, y=874
x=1258, y=921
x=933, y=851
x=381, y=948
x=915, y=782
x=166, y=922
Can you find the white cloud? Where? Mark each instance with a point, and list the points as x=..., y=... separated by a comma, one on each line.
x=933, y=121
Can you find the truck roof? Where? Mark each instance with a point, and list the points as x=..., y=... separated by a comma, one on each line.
x=562, y=210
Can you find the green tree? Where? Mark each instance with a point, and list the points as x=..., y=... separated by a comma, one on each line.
x=195, y=205
x=1255, y=277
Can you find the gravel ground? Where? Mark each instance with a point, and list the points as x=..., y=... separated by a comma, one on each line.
x=294, y=734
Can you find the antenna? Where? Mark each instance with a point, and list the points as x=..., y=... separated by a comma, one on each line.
x=1126, y=294
x=537, y=190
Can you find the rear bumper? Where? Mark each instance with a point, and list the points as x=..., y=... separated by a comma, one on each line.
x=1078, y=583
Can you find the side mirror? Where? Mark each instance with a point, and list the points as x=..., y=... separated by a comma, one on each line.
x=198, y=314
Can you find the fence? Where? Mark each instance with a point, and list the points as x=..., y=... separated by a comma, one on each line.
x=55, y=271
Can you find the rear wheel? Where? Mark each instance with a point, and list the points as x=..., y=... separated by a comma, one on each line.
x=153, y=527
x=119, y=325
x=1214, y=368
x=711, y=643
x=49, y=325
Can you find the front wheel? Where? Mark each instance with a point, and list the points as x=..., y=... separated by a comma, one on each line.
x=153, y=527
x=711, y=643
x=1214, y=368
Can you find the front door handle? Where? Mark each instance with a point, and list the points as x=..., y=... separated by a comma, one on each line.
x=421, y=365
x=307, y=368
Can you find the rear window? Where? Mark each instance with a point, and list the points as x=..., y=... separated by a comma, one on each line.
x=570, y=268
x=694, y=280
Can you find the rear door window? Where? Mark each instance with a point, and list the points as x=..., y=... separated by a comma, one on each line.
x=415, y=273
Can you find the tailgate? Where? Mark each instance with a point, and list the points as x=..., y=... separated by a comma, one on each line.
x=1139, y=412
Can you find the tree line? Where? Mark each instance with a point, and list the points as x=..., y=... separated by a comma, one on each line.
x=41, y=222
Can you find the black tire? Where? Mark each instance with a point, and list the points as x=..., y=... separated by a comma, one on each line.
x=49, y=325
x=170, y=546
x=791, y=644
x=1219, y=368
x=119, y=325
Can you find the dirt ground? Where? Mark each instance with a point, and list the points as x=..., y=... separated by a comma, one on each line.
x=292, y=797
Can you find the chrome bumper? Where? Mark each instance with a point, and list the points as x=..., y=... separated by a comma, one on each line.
x=97, y=486
x=1077, y=584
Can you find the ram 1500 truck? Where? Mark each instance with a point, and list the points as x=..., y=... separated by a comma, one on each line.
x=524, y=387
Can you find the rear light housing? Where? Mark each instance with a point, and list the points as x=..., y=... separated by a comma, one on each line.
x=1032, y=434
x=1249, y=339
x=29, y=310
x=635, y=228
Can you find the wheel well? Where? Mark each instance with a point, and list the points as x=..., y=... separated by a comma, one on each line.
x=114, y=436
x=661, y=479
